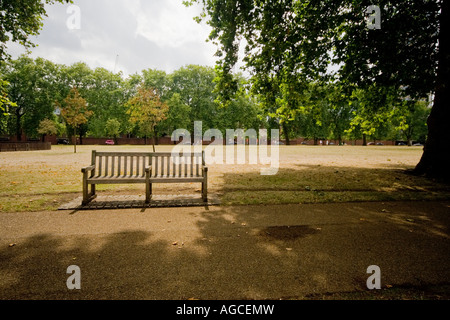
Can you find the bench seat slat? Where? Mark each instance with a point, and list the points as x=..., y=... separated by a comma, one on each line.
x=139, y=179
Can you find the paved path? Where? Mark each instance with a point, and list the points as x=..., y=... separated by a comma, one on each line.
x=243, y=252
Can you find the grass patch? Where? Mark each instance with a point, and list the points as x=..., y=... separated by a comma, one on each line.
x=321, y=184
x=43, y=180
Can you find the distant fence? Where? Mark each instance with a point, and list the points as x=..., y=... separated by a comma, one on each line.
x=24, y=146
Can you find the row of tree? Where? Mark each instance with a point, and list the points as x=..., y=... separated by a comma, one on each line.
x=40, y=92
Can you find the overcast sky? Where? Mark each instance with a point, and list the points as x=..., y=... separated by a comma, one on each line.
x=138, y=34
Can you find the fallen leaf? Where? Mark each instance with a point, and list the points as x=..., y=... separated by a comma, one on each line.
x=289, y=249
x=410, y=220
x=12, y=244
x=174, y=243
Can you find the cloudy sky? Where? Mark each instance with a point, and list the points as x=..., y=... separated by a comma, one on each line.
x=137, y=34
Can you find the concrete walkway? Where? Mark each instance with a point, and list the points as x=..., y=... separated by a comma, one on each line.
x=243, y=252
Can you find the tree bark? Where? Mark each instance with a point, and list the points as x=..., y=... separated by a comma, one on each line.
x=286, y=133
x=435, y=161
x=75, y=144
x=18, y=125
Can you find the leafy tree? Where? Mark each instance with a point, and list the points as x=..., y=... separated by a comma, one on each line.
x=158, y=80
x=146, y=110
x=106, y=98
x=47, y=127
x=412, y=121
x=75, y=112
x=195, y=85
x=303, y=39
x=20, y=20
x=178, y=116
x=112, y=128
x=5, y=105
x=33, y=88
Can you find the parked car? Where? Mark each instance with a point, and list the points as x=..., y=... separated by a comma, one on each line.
x=62, y=141
x=109, y=142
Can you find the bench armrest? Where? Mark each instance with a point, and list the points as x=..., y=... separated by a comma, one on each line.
x=87, y=169
x=148, y=169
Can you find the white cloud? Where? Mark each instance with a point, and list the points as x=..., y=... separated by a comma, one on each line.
x=158, y=34
x=171, y=25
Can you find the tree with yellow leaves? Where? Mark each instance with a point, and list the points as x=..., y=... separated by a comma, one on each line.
x=146, y=110
x=75, y=112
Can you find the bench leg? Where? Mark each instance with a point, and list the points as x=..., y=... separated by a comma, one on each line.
x=88, y=196
x=85, y=192
x=205, y=190
x=148, y=192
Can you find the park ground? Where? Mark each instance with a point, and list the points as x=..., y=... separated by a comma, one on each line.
x=308, y=232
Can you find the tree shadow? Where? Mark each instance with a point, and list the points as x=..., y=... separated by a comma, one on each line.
x=391, y=182
x=246, y=252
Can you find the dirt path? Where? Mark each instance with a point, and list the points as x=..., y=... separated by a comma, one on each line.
x=236, y=252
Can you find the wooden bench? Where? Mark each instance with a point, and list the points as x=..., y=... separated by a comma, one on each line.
x=144, y=167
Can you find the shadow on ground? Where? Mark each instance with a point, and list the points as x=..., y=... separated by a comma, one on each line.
x=246, y=252
x=318, y=183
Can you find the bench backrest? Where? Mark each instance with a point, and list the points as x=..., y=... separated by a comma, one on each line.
x=115, y=164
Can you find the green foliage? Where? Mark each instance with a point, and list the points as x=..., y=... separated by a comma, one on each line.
x=112, y=128
x=47, y=127
x=20, y=20
x=33, y=88
x=146, y=110
x=290, y=44
x=75, y=112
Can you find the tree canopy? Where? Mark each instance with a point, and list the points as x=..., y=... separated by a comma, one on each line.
x=21, y=19
x=290, y=43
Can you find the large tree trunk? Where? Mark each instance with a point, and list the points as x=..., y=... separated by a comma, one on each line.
x=435, y=161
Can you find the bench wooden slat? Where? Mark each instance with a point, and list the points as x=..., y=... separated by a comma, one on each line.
x=143, y=166
x=106, y=165
x=174, y=167
x=196, y=165
x=138, y=158
x=192, y=165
